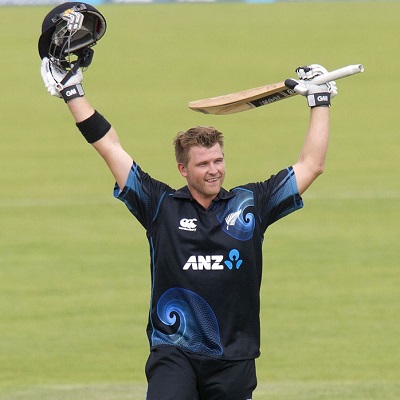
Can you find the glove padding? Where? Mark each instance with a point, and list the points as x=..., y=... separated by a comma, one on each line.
x=317, y=95
x=309, y=72
x=53, y=77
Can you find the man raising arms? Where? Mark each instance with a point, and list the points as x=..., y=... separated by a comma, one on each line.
x=205, y=243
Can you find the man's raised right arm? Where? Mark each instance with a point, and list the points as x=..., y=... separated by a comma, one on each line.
x=108, y=146
x=93, y=126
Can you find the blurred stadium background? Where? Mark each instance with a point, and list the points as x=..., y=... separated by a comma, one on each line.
x=74, y=281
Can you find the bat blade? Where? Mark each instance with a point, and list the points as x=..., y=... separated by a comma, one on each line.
x=263, y=95
x=243, y=100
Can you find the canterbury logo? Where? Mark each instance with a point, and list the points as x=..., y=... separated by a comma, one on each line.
x=187, y=224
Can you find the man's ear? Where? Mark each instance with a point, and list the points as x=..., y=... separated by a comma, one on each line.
x=182, y=170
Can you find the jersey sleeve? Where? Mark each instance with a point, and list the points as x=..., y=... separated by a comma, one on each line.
x=277, y=197
x=142, y=195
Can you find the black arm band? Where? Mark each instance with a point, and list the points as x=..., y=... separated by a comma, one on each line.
x=94, y=128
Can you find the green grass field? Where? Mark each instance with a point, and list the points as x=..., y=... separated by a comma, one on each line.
x=74, y=277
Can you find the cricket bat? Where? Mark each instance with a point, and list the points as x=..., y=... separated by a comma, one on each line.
x=263, y=95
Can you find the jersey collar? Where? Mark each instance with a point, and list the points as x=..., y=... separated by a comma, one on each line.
x=184, y=193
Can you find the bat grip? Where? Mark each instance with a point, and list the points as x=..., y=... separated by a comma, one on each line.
x=338, y=74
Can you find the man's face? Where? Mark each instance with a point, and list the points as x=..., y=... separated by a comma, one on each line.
x=204, y=173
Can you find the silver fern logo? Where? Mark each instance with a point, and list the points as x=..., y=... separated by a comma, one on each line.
x=231, y=218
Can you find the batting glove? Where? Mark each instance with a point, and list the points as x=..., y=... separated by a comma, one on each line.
x=317, y=95
x=309, y=72
x=53, y=77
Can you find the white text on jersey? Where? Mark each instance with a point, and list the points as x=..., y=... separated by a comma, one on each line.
x=204, y=262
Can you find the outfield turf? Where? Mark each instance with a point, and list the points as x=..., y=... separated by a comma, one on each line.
x=74, y=279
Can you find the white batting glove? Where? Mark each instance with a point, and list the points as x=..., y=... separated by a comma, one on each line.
x=317, y=95
x=309, y=72
x=53, y=77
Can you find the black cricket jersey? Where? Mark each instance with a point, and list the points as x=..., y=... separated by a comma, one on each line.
x=206, y=265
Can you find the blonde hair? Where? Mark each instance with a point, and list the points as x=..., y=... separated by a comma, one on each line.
x=203, y=136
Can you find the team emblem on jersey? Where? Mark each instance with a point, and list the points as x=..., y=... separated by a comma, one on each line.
x=231, y=218
x=236, y=219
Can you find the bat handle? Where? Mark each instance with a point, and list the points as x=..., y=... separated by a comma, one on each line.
x=338, y=74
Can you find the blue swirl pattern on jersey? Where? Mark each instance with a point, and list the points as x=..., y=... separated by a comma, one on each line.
x=286, y=189
x=234, y=219
x=193, y=321
x=135, y=183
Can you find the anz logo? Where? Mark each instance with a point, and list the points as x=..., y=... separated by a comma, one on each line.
x=214, y=263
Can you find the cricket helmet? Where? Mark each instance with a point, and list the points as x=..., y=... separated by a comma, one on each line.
x=68, y=33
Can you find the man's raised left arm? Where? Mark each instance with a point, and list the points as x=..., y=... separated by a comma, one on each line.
x=311, y=161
